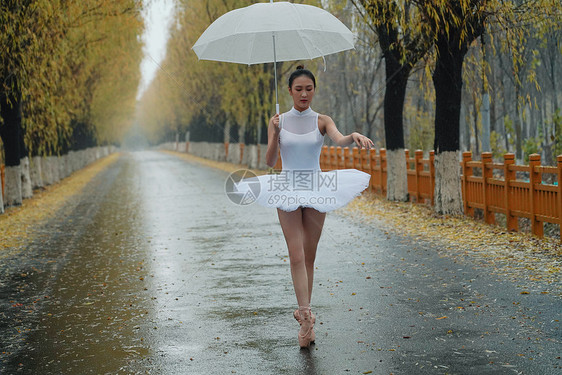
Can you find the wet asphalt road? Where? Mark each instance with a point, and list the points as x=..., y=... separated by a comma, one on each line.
x=153, y=270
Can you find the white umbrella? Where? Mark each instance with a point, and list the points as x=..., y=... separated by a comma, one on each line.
x=271, y=32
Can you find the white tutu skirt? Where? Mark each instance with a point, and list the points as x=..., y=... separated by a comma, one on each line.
x=291, y=189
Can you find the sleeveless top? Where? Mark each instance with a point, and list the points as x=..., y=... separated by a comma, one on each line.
x=301, y=183
x=300, y=140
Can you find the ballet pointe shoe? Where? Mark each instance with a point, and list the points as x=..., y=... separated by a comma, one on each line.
x=297, y=317
x=306, y=332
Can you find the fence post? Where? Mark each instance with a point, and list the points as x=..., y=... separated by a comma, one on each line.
x=333, y=160
x=559, y=200
x=534, y=179
x=241, y=152
x=348, y=156
x=418, y=156
x=340, y=159
x=364, y=160
x=356, y=160
x=432, y=176
x=409, y=188
x=373, y=166
x=383, y=171
x=323, y=158
x=466, y=172
x=509, y=175
x=487, y=172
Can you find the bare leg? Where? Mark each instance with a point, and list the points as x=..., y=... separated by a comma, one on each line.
x=313, y=222
x=302, y=229
x=292, y=225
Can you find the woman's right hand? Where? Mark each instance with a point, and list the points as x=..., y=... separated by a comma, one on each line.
x=275, y=121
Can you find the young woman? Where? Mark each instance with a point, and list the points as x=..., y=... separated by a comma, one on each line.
x=302, y=193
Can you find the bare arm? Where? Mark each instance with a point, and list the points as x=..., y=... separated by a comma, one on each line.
x=332, y=131
x=272, y=141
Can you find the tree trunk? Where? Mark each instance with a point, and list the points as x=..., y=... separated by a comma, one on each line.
x=517, y=122
x=26, y=189
x=553, y=46
x=448, y=197
x=532, y=124
x=227, y=126
x=546, y=144
x=486, y=122
x=464, y=130
x=505, y=104
x=397, y=182
x=12, y=138
x=485, y=106
x=1, y=200
x=476, y=135
x=395, y=92
x=13, y=186
x=55, y=170
x=36, y=172
x=447, y=79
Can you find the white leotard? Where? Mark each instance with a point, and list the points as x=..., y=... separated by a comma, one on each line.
x=301, y=183
x=300, y=140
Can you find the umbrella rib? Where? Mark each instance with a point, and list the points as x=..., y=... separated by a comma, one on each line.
x=305, y=37
x=251, y=51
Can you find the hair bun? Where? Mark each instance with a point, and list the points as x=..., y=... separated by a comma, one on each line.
x=300, y=67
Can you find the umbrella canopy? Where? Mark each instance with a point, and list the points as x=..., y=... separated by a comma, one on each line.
x=271, y=32
x=302, y=32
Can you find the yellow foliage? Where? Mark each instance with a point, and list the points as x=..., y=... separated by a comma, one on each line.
x=75, y=64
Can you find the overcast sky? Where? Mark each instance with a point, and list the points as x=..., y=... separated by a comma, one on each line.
x=158, y=15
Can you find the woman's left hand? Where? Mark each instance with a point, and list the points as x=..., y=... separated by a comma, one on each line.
x=361, y=141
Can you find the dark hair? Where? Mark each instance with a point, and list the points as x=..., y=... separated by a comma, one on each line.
x=301, y=71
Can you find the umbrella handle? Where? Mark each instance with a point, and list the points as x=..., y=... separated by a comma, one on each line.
x=275, y=70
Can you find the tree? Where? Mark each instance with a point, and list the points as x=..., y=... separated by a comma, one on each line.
x=202, y=97
x=454, y=26
x=57, y=76
x=18, y=45
x=403, y=42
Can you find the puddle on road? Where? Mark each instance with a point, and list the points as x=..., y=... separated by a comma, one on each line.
x=91, y=314
x=156, y=285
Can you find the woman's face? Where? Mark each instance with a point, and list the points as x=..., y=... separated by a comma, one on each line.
x=302, y=92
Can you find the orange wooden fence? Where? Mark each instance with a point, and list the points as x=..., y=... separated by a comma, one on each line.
x=517, y=191
x=421, y=176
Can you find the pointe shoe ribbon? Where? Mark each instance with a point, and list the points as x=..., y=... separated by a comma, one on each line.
x=306, y=332
x=297, y=317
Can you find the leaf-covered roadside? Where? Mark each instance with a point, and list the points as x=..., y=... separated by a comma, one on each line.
x=532, y=263
x=17, y=225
